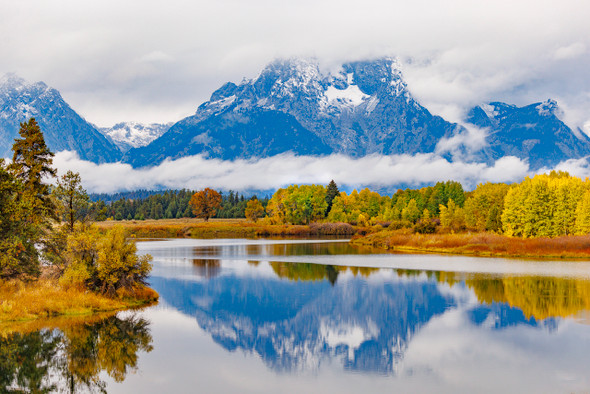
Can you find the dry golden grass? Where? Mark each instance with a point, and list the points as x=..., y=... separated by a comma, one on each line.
x=480, y=244
x=224, y=228
x=45, y=298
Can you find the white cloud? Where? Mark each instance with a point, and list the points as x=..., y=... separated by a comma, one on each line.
x=457, y=52
x=195, y=172
x=570, y=51
x=463, y=145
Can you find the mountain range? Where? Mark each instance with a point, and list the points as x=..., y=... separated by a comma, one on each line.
x=62, y=127
x=362, y=108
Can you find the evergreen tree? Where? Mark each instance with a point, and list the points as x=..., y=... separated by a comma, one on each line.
x=73, y=198
x=31, y=164
x=18, y=254
x=331, y=193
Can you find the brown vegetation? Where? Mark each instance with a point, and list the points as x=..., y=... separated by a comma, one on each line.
x=228, y=228
x=479, y=244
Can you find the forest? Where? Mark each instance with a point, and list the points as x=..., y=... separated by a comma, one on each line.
x=546, y=205
x=170, y=204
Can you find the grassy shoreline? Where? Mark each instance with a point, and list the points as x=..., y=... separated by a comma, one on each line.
x=479, y=244
x=45, y=298
x=473, y=244
x=227, y=228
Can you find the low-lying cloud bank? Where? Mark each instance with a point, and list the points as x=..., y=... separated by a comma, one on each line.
x=377, y=171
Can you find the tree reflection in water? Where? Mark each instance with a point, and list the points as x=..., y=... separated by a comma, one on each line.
x=537, y=297
x=206, y=268
x=71, y=359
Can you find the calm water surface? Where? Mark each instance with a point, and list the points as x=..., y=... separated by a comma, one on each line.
x=320, y=316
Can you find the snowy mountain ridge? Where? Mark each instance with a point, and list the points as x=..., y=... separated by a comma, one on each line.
x=63, y=128
x=127, y=135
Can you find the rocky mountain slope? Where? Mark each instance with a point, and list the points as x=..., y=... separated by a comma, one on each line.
x=362, y=108
x=63, y=128
x=294, y=106
x=532, y=132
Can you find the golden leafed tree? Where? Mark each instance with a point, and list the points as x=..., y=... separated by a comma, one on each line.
x=205, y=203
x=254, y=210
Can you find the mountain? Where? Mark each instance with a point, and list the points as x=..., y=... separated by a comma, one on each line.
x=363, y=108
x=532, y=132
x=127, y=135
x=62, y=127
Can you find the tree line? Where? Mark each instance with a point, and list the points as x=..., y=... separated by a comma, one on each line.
x=548, y=205
x=170, y=204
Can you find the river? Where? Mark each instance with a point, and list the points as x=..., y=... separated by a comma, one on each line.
x=324, y=316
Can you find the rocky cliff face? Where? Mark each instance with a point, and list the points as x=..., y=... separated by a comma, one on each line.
x=62, y=127
x=363, y=108
x=532, y=132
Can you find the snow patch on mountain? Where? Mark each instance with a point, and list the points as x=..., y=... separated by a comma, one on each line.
x=548, y=108
x=127, y=135
x=490, y=110
x=352, y=95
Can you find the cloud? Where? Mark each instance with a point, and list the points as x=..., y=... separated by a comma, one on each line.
x=570, y=51
x=150, y=60
x=376, y=171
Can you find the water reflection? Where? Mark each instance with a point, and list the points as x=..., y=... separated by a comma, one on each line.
x=206, y=268
x=270, y=317
x=298, y=316
x=72, y=357
x=297, y=326
x=537, y=297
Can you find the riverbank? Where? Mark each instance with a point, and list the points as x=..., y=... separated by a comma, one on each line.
x=43, y=298
x=479, y=244
x=228, y=228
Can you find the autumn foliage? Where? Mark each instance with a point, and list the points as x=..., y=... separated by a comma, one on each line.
x=205, y=203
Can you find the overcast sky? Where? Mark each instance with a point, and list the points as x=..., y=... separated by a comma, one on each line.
x=156, y=61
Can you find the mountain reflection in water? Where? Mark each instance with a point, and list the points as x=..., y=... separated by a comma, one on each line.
x=305, y=319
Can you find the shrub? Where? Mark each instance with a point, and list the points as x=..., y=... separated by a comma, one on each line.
x=425, y=226
x=331, y=229
x=105, y=263
x=399, y=224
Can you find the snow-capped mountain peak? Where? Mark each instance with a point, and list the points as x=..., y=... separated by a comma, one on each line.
x=63, y=128
x=548, y=108
x=127, y=135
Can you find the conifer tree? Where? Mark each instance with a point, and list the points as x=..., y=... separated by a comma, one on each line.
x=73, y=198
x=31, y=165
x=331, y=193
x=18, y=254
